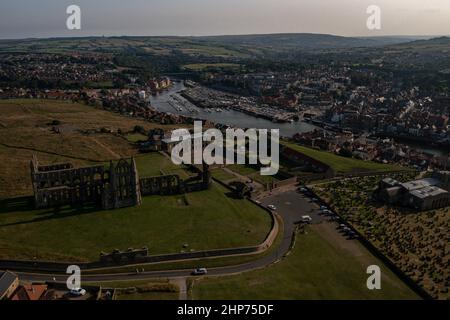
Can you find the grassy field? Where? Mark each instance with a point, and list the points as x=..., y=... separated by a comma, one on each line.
x=222, y=175
x=156, y=164
x=212, y=262
x=26, y=129
x=164, y=224
x=152, y=45
x=315, y=269
x=342, y=164
x=252, y=173
x=203, y=220
x=205, y=66
x=136, y=137
x=413, y=241
x=242, y=169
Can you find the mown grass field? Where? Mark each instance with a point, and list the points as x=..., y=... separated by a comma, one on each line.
x=212, y=262
x=342, y=164
x=414, y=241
x=222, y=175
x=156, y=164
x=205, y=66
x=25, y=129
x=136, y=137
x=315, y=269
x=203, y=220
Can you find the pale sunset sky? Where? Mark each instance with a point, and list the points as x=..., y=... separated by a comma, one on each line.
x=47, y=18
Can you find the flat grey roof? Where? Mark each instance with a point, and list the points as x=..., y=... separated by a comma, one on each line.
x=419, y=184
x=426, y=192
x=390, y=181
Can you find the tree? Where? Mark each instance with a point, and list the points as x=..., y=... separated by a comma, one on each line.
x=241, y=190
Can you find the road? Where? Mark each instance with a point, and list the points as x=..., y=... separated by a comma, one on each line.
x=291, y=206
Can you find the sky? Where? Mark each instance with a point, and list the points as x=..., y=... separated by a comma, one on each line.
x=47, y=18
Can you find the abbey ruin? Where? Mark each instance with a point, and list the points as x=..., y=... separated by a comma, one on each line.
x=115, y=186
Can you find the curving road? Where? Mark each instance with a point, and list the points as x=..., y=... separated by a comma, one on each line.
x=291, y=206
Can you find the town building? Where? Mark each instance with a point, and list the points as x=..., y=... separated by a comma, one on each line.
x=423, y=194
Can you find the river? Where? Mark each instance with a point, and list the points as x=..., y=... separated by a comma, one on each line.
x=242, y=120
x=228, y=117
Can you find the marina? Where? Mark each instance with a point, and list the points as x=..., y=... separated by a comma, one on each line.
x=171, y=101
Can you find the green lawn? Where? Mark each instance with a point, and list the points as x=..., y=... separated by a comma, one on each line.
x=263, y=179
x=203, y=66
x=155, y=164
x=222, y=175
x=242, y=169
x=341, y=164
x=203, y=220
x=212, y=262
x=135, y=137
x=315, y=269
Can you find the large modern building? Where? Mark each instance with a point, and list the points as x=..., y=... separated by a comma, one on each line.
x=424, y=194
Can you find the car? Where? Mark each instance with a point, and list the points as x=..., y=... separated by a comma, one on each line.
x=77, y=292
x=341, y=226
x=272, y=207
x=303, y=190
x=352, y=235
x=346, y=230
x=200, y=272
x=306, y=219
x=323, y=208
x=314, y=199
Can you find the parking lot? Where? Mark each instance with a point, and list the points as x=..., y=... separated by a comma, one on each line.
x=294, y=204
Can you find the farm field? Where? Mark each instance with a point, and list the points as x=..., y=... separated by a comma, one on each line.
x=315, y=269
x=414, y=241
x=85, y=135
x=341, y=164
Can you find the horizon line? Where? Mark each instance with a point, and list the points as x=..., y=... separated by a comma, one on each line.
x=225, y=35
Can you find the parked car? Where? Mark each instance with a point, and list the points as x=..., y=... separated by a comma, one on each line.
x=341, y=226
x=200, y=272
x=306, y=219
x=272, y=207
x=346, y=229
x=352, y=235
x=77, y=292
